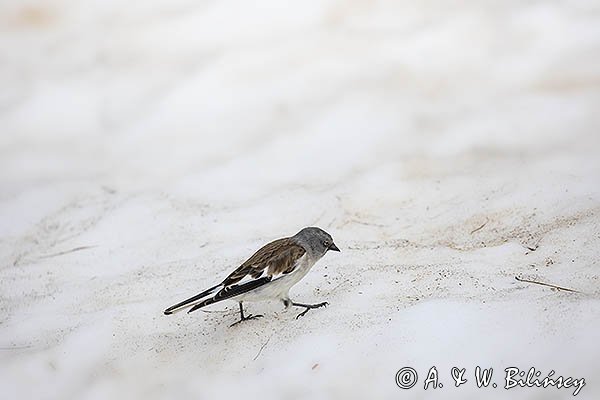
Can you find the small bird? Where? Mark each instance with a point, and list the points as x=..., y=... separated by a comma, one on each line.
x=268, y=274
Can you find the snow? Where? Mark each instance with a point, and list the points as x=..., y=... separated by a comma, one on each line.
x=149, y=149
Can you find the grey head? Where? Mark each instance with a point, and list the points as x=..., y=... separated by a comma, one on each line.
x=315, y=240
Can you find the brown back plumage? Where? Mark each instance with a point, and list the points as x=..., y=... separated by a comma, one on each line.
x=277, y=257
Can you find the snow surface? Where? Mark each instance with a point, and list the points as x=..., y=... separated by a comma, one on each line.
x=149, y=147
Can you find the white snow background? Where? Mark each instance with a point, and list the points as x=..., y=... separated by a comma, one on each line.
x=149, y=147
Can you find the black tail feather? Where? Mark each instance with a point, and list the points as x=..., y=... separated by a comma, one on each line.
x=171, y=309
x=203, y=303
x=232, y=291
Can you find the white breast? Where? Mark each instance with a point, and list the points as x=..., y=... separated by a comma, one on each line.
x=280, y=286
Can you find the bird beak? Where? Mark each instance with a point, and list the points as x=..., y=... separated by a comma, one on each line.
x=333, y=247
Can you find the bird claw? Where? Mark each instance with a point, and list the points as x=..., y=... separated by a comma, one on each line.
x=246, y=319
x=311, y=306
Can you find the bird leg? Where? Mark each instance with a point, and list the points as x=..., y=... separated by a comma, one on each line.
x=308, y=307
x=244, y=318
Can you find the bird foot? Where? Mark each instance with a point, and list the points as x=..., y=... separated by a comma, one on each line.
x=308, y=307
x=246, y=319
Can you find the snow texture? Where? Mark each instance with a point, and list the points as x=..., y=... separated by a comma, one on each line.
x=150, y=147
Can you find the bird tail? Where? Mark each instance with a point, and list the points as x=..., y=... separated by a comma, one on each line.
x=189, y=301
x=231, y=291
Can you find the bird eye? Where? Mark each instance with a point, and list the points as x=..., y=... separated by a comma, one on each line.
x=326, y=243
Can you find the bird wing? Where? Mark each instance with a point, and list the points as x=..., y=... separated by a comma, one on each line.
x=272, y=260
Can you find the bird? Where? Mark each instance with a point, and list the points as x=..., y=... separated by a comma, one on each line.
x=268, y=274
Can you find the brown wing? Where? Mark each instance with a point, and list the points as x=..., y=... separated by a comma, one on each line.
x=277, y=257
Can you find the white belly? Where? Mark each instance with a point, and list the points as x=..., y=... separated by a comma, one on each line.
x=279, y=287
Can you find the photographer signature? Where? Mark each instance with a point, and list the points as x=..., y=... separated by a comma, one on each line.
x=407, y=377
